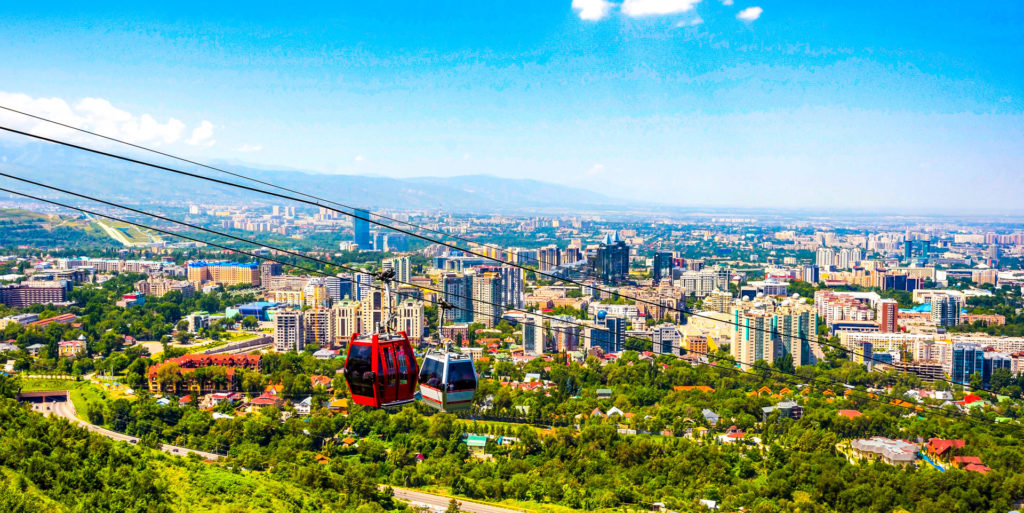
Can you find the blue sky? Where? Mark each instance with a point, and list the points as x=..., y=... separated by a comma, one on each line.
x=746, y=103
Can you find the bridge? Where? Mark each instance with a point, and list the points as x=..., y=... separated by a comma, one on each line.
x=48, y=396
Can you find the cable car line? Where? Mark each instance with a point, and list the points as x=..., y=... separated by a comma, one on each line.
x=684, y=310
x=735, y=362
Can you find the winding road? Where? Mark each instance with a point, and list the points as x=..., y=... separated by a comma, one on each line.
x=67, y=410
x=438, y=503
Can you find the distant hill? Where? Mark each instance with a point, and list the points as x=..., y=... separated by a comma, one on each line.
x=95, y=175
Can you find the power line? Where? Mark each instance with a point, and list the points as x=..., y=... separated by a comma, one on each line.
x=316, y=271
x=252, y=179
x=683, y=310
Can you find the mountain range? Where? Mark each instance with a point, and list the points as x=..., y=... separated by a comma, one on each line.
x=124, y=181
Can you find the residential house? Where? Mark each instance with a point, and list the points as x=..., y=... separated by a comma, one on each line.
x=477, y=445
x=786, y=409
x=70, y=348
x=893, y=452
x=304, y=406
x=710, y=416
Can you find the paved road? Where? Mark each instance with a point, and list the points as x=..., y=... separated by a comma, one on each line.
x=67, y=410
x=440, y=503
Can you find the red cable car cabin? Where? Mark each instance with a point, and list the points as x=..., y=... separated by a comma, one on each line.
x=381, y=370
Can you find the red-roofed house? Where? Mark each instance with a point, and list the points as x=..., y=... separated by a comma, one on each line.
x=944, y=448
x=850, y=414
x=963, y=461
x=968, y=399
x=977, y=467
x=185, y=367
x=267, y=399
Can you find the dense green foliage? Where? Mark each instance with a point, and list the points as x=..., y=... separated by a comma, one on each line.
x=50, y=465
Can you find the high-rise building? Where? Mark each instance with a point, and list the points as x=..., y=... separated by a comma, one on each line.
x=766, y=330
x=361, y=228
x=812, y=273
x=548, y=258
x=362, y=286
x=347, y=315
x=908, y=246
x=289, y=331
x=992, y=361
x=486, y=303
x=268, y=270
x=402, y=267
x=718, y=301
x=458, y=290
x=372, y=311
x=565, y=334
x=662, y=266
x=966, y=359
x=609, y=333
x=703, y=282
x=396, y=243
x=825, y=257
x=533, y=335
x=666, y=339
x=945, y=311
x=611, y=260
x=888, y=315
x=319, y=330
x=410, y=318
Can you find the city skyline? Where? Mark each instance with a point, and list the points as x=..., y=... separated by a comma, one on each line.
x=672, y=102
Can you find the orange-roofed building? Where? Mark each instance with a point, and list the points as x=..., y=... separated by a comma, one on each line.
x=850, y=414
x=944, y=448
x=701, y=388
x=963, y=461
x=977, y=467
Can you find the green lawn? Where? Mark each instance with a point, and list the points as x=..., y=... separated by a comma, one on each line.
x=84, y=395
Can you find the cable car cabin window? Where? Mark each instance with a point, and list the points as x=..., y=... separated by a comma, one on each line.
x=432, y=373
x=387, y=360
x=359, y=364
x=461, y=376
x=403, y=369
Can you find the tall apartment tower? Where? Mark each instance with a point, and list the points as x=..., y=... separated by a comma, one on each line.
x=487, y=299
x=402, y=267
x=289, y=331
x=945, y=311
x=458, y=290
x=888, y=315
x=319, y=327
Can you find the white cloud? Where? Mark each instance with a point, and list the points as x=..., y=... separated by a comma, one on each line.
x=656, y=7
x=95, y=115
x=690, y=23
x=202, y=135
x=750, y=14
x=592, y=10
x=248, y=148
x=596, y=169
x=726, y=2
x=360, y=158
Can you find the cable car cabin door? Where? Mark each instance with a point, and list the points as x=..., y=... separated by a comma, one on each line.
x=388, y=375
x=406, y=372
